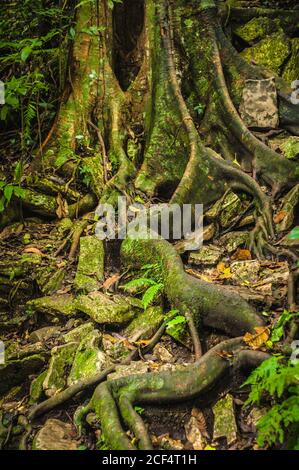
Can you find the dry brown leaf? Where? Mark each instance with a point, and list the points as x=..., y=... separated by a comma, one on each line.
x=225, y=355
x=242, y=255
x=198, y=275
x=279, y=217
x=62, y=207
x=111, y=281
x=32, y=249
x=255, y=341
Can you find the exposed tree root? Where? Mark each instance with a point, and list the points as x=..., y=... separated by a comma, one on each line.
x=117, y=398
x=207, y=303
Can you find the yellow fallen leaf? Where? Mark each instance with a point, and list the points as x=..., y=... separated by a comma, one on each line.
x=257, y=340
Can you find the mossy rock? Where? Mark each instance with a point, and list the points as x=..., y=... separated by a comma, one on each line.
x=256, y=29
x=60, y=363
x=145, y=324
x=53, y=305
x=89, y=359
x=17, y=371
x=102, y=309
x=271, y=52
x=36, y=388
x=291, y=70
x=290, y=147
x=232, y=240
x=225, y=424
x=42, y=334
x=49, y=279
x=90, y=269
x=207, y=255
x=79, y=333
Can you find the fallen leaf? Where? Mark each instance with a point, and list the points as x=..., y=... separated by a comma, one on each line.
x=255, y=341
x=242, y=255
x=225, y=355
x=32, y=249
x=279, y=217
x=62, y=207
x=111, y=281
x=203, y=277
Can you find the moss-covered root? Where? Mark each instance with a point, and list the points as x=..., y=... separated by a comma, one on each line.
x=273, y=168
x=213, y=305
x=185, y=383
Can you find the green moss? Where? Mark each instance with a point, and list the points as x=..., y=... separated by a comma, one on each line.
x=290, y=147
x=53, y=305
x=271, y=52
x=60, y=362
x=90, y=269
x=105, y=310
x=36, y=388
x=256, y=29
x=89, y=359
x=146, y=323
x=291, y=70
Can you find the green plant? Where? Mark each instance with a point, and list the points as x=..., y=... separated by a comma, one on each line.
x=33, y=42
x=175, y=327
x=152, y=289
x=139, y=410
x=279, y=327
x=278, y=379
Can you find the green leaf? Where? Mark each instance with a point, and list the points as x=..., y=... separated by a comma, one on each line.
x=139, y=283
x=150, y=294
x=8, y=192
x=25, y=53
x=294, y=234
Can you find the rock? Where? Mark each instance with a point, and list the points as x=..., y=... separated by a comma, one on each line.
x=288, y=209
x=136, y=367
x=207, y=255
x=271, y=52
x=49, y=280
x=55, y=435
x=114, y=349
x=61, y=360
x=117, y=310
x=194, y=434
x=79, y=333
x=16, y=351
x=231, y=208
x=43, y=334
x=245, y=271
x=162, y=354
x=91, y=264
x=232, y=240
x=258, y=107
x=256, y=29
x=291, y=70
x=36, y=388
x=166, y=442
x=15, y=372
x=89, y=360
x=290, y=147
x=53, y=305
x=145, y=324
x=254, y=416
x=225, y=424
